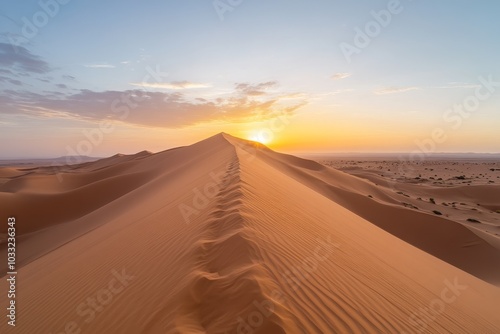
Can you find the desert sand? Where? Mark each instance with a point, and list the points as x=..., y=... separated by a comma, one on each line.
x=228, y=236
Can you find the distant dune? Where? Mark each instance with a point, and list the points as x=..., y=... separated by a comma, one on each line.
x=228, y=236
x=67, y=160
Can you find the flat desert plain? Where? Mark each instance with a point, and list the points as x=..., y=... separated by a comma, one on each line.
x=228, y=236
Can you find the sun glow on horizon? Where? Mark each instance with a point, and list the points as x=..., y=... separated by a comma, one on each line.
x=261, y=136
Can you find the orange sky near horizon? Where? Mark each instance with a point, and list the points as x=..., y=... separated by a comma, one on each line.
x=189, y=75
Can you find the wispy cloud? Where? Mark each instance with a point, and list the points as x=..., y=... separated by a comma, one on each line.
x=326, y=95
x=394, y=90
x=22, y=59
x=451, y=85
x=293, y=96
x=155, y=109
x=255, y=89
x=171, y=85
x=99, y=66
x=10, y=80
x=340, y=76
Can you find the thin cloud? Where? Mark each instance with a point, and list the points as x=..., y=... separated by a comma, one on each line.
x=340, y=76
x=22, y=59
x=452, y=85
x=171, y=85
x=394, y=90
x=10, y=80
x=99, y=66
x=255, y=89
x=154, y=109
x=293, y=96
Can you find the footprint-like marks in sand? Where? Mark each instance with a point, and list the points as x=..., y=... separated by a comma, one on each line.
x=231, y=289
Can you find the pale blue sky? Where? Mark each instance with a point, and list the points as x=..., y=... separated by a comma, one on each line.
x=428, y=58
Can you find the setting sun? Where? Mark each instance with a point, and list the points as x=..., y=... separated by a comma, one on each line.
x=261, y=136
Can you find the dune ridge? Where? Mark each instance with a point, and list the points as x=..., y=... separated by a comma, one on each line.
x=230, y=279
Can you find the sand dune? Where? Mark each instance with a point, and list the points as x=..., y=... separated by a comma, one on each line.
x=227, y=236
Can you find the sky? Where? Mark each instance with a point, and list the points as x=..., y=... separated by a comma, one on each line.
x=101, y=77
